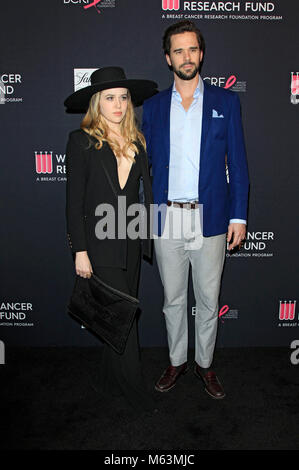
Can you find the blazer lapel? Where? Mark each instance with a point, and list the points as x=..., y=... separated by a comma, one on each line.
x=206, y=117
x=206, y=123
x=109, y=167
x=165, y=119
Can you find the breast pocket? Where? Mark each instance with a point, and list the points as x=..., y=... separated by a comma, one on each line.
x=219, y=128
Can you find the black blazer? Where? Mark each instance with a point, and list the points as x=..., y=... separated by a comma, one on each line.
x=91, y=180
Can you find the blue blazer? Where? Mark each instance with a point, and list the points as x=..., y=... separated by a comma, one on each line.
x=222, y=141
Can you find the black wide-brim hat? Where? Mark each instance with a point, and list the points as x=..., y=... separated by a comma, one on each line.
x=110, y=77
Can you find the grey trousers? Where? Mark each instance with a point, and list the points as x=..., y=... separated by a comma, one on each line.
x=182, y=243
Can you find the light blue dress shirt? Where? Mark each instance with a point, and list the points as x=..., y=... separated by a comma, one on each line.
x=185, y=142
x=185, y=139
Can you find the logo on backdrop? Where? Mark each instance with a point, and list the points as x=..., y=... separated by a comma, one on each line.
x=287, y=313
x=229, y=83
x=87, y=4
x=43, y=162
x=170, y=4
x=209, y=10
x=257, y=245
x=287, y=310
x=294, y=87
x=48, y=164
x=9, y=86
x=82, y=78
x=15, y=314
x=225, y=313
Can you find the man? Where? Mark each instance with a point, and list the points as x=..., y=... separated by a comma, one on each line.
x=194, y=137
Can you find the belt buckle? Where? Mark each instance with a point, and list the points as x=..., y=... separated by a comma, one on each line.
x=183, y=205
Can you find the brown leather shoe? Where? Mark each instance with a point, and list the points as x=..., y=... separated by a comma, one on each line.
x=212, y=385
x=170, y=376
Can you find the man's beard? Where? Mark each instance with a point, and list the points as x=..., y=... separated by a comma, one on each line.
x=186, y=76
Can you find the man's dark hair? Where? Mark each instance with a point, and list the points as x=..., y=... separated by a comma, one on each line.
x=185, y=26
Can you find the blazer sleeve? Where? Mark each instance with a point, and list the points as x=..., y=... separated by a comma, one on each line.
x=76, y=170
x=237, y=163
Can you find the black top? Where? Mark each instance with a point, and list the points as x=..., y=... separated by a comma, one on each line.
x=92, y=179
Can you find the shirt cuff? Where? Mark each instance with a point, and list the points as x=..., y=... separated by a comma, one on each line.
x=238, y=221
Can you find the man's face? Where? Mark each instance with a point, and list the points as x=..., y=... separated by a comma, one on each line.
x=185, y=55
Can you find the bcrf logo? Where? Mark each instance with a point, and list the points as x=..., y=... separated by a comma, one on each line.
x=222, y=81
x=170, y=4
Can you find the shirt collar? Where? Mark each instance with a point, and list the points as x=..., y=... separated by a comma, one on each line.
x=197, y=92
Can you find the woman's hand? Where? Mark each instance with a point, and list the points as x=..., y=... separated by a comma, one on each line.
x=82, y=264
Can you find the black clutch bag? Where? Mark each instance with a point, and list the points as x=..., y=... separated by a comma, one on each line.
x=107, y=312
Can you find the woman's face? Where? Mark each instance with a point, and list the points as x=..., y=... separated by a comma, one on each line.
x=113, y=104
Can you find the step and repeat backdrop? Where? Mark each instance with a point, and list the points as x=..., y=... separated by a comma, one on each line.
x=49, y=49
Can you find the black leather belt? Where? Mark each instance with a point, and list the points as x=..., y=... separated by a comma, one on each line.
x=184, y=205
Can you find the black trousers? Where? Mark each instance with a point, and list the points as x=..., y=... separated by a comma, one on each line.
x=121, y=374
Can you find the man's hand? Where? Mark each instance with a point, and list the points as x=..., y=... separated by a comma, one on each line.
x=235, y=235
x=83, y=265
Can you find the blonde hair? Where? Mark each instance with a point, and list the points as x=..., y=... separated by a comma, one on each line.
x=94, y=124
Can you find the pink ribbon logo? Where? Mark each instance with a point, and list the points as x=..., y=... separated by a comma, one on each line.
x=93, y=4
x=230, y=81
x=223, y=311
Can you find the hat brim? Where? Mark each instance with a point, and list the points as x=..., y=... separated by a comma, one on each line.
x=140, y=90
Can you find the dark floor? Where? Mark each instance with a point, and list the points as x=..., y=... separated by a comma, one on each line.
x=50, y=400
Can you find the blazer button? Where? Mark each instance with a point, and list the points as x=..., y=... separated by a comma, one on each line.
x=166, y=166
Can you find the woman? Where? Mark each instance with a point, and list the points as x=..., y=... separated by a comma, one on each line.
x=106, y=159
